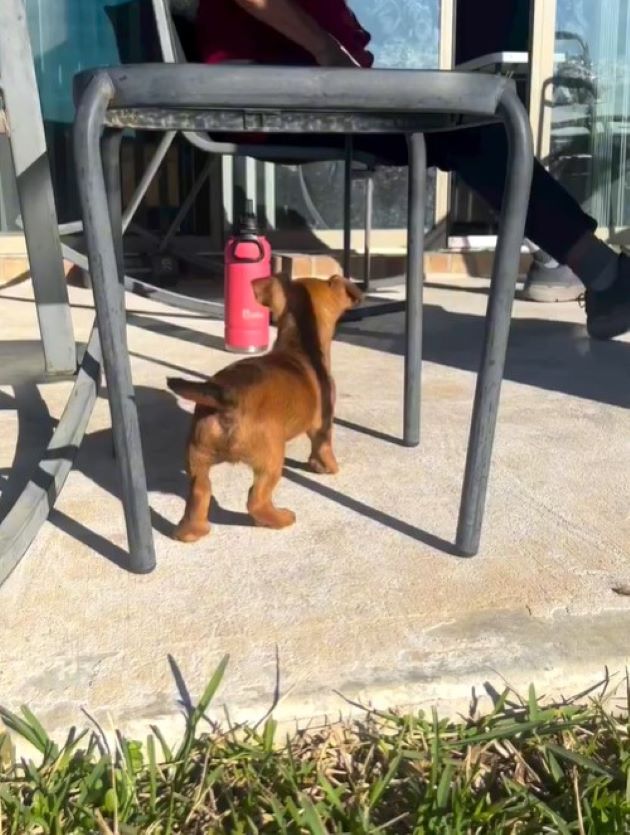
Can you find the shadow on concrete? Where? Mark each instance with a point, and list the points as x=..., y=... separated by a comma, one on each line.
x=21, y=362
x=470, y=289
x=159, y=326
x=172, y=314
x=356, y=506
x=164, y=427
x=371, y=433
x=35, y=427
x=550, y=355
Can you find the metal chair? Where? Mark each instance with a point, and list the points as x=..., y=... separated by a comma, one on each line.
x=21, y=113
x=231, y=99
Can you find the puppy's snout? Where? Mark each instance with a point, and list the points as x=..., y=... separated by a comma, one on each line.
x=355, y=295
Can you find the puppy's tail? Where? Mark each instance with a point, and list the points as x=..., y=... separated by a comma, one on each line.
x=210, y=394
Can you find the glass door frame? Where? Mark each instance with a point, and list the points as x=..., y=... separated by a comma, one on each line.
x=540, y=69
x=542, y=63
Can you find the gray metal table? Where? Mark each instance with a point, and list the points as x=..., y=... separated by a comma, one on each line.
x=300, y=100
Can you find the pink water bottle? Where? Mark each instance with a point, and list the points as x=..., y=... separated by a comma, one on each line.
x=247, y=256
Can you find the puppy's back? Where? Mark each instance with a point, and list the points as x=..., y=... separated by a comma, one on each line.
x=261, y=396
x=278, y=390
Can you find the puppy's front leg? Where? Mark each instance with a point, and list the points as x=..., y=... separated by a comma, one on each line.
x=322, y=458
x=194, y=523
x=259, y=503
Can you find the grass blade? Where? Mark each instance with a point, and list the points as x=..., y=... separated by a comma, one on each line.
x=269, y=735
x=153, y=773
x=21, y=727
x=167, y=754
x=311, y=818
x=444, y=787
x=532, y=701
x=578, y=759
x=380, y=787
x=209, y=692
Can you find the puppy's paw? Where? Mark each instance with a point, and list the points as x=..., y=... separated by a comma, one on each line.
x=277, y=518
x=324, y=466
x=191, y=531
x=285, y=518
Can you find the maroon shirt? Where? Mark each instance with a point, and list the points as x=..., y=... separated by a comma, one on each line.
x=226, y=32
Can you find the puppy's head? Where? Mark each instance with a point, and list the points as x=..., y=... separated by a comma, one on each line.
x=320, y=300
x=333, y=297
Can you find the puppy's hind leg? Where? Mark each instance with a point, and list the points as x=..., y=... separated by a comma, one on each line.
x=194, y=523
x=322, y=458
x=260, y=506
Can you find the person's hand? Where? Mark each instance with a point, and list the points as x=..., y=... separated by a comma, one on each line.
x=333, y=54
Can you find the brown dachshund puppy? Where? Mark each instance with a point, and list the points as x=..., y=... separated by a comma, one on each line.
x=249, y=410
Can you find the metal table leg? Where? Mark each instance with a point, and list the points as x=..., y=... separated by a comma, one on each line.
x=498, y=317
x=111, y=171
x=414, y=281
x=347, y=208
x=109, y=303
x=110, y=146
x=367, y=249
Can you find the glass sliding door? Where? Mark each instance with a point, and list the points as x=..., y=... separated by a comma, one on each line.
x=70, y=35
x=405, y=34
x=590, y=120
x=577, y=88
x=66, y=37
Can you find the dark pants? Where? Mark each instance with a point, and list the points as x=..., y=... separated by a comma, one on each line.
x=555, y=220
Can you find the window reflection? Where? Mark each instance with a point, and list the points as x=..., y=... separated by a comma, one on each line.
x=405, y=35
x=591, y=106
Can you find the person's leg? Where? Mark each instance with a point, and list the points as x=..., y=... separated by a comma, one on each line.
x=555, y=222
x=548, y=280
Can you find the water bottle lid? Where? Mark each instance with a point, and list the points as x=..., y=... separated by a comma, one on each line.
x=247, y=222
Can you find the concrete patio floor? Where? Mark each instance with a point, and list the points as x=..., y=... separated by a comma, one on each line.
x=362, y=597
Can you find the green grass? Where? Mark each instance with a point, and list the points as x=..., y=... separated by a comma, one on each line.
x=527, y=767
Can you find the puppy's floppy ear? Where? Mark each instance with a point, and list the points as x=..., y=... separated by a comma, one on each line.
x=353, y=296
x=272, y=293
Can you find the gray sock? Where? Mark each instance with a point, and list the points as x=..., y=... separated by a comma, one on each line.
x=598, y=266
